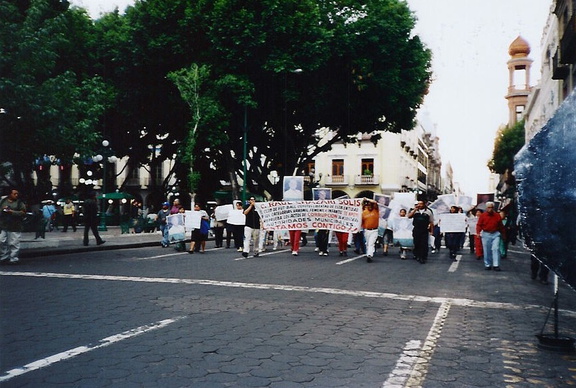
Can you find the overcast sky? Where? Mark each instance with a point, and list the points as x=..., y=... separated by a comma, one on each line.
x=469, y=40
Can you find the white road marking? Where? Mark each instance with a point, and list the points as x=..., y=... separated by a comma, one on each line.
x=68, y=354
x=420, y=370
x=281, y=287
x=350, y=259
x=412, y=366
x=397, y=378
x=262, y=254
x=455, y=264
x=159, y=256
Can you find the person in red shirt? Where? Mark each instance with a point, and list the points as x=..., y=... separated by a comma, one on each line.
x=491, y=229
x=370, y=221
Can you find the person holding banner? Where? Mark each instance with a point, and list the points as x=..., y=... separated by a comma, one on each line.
x=423, y=222
x=235, y=226
x=452, y=238
x=200, y=231
x=251, y=229
x=370, y=222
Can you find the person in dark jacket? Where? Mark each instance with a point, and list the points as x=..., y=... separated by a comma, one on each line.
x=91, y=219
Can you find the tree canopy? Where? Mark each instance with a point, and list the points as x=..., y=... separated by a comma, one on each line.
x=288, y=68
x=509, y=140
x=51, y=100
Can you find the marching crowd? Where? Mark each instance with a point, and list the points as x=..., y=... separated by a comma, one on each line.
x=415, y=230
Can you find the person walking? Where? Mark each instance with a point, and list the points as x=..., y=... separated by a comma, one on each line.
x=423, y=222
x=491, y=229
x=251, y=229
x=91, y=219
x=342, y=238
x=163, y=224
x=69, y=215
x=12, y=215
x=322, y=241
x=370, y=221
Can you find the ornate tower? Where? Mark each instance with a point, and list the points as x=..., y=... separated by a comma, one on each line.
x=519, y=82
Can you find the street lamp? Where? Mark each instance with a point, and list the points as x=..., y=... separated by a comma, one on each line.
x=245, y=146
x=285, y=156
x=106, y=156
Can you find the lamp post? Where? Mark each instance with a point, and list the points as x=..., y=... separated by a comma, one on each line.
x=106, y=156
x=285, y=156
x=245, y=146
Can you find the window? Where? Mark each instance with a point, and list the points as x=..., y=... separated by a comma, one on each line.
x=367, y=167
x=310, y=167
x=157, y=175
x=135, y=173
x=338, y=167
x=519, y=112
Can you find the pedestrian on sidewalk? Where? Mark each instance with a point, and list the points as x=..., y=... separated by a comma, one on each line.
x=91, y=219
x=49, y=212
x=69, y=215
x=11, y=225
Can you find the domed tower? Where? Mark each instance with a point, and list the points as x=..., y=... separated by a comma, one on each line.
x=519, y=84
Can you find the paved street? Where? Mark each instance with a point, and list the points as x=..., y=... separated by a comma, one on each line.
x=151, y=317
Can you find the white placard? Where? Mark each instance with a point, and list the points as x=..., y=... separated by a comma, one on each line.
x=452, y=223
x=193, y=219
x=221, y=212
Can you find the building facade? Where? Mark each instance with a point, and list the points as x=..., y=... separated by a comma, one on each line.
x=398, y=162
x=558, y=70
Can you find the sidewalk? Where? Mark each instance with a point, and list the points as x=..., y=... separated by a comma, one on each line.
x=57, y=242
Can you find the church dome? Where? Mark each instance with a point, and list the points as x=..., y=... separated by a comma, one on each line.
x=519, y=48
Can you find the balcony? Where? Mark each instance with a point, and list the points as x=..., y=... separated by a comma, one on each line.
x=366, y=180
x=337, y=180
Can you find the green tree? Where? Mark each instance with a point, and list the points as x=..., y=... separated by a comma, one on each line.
x=509, y=140
x=52, y=103
x=362, y=71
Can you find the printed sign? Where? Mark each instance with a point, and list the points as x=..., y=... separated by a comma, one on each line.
x=453, y=223
x=340, y=215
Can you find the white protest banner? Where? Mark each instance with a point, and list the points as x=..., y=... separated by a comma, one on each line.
x=405, y=200
x=176, y=229
x=402, y=231
x=453, y=223
x=472, y=222
x=193, y=219
x=221, y=212
x=464, y=202
x=343, y=215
